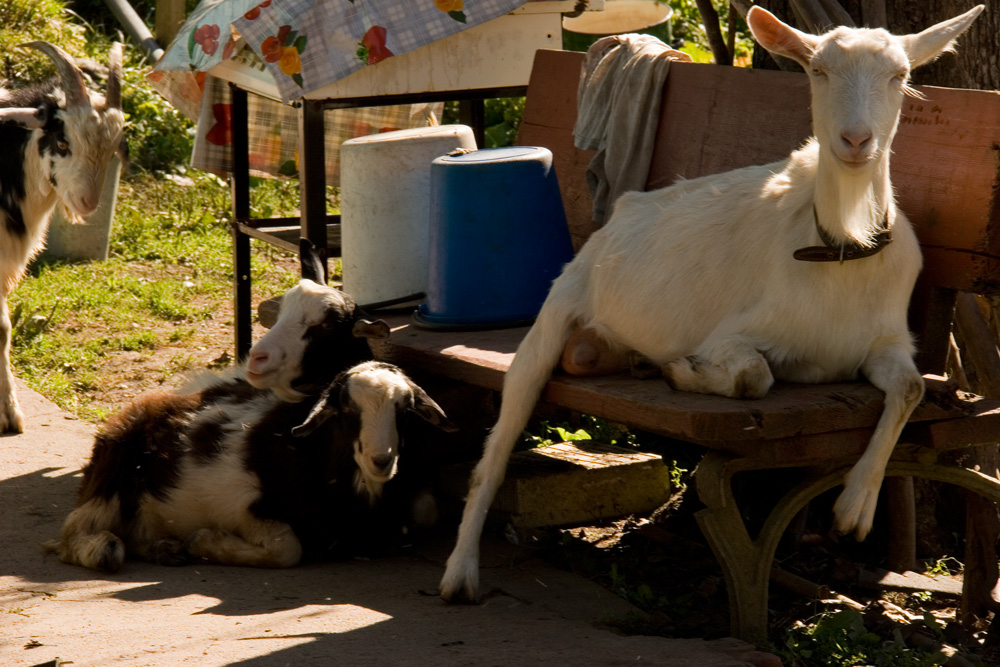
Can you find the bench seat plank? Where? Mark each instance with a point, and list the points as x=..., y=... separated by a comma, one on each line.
x=798, y=421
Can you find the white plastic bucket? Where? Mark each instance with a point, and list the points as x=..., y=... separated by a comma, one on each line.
x=385, y=208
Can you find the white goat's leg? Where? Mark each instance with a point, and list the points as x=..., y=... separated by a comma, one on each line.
x=266, y=544
x=725, y=365
x=11, y=420
x=889, y=366
x=537, y=355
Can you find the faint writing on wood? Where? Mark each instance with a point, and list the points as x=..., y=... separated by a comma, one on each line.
x=925, y=113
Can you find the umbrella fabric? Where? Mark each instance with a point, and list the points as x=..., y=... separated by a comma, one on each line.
x=308, y=44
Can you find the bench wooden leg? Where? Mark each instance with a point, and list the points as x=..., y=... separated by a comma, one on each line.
x=902, y=523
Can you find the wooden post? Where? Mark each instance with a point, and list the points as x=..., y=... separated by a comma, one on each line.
x=982, y=527
x=169, y=18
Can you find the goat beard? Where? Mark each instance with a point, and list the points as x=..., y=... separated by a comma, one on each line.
x=70, y=215
x=860, y=213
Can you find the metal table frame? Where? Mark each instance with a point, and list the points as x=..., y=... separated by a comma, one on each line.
x=322, y=230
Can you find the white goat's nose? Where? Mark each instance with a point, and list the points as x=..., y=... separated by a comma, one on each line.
x=856, y=140
x=90, y=202
x=258, y=359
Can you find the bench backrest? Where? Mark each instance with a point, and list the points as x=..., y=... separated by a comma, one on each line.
x=945, y=164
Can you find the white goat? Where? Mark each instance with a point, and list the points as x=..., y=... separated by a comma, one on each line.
x=704, y=278
x=57, y=140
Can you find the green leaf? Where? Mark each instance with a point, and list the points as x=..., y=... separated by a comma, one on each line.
x=297, y=78
x=290, y=38
x=288, y=169
x=458, y=16
x=300, y=43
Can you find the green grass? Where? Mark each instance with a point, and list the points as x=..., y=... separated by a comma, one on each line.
x=169, y=271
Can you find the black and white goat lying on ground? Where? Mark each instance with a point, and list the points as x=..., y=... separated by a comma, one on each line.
x=57, y=140
x=174, y=478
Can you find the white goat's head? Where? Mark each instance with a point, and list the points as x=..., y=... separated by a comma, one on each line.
x=319, y=332
x=858, y=77
x=370, y=401
x=80, y=135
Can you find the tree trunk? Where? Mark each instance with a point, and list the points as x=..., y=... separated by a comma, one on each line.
x=976, y=65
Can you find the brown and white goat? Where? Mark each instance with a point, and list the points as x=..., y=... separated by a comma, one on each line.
x=57, y=140
x=247, y=481
x=703, y=278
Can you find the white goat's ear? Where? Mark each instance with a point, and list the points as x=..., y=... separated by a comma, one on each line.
x=30, y=118
x=377, y=329
x=779, y=38
x=425, y=406
x=927, y=45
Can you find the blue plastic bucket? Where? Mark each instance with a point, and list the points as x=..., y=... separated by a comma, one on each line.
x=498, y=238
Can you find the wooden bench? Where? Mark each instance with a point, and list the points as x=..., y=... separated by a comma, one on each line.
x=945, y=170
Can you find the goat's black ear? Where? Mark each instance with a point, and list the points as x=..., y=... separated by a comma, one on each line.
x=326, y=407
x=313, y=267
x=425, y=406
x=378, y=329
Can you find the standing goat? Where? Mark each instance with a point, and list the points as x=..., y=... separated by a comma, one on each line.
x=246, y=480
x=57, y=139
x=799, y=270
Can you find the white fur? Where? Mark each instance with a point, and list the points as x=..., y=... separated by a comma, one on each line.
x=700, y=278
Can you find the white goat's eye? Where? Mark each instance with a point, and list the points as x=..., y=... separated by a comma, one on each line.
x=62, y=145
x=815, y=71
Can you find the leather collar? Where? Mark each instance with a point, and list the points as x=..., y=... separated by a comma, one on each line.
x=832, y=251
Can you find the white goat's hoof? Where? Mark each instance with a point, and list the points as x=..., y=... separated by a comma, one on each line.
x=460, y=582
x=11, y=419
x=854, y=512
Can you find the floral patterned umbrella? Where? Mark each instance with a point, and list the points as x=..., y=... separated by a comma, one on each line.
x=308, y=44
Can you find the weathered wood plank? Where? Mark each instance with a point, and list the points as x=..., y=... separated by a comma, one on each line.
x=837, y=416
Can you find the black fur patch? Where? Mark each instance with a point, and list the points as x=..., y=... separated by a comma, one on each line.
x=137, y=452
x=54, y=140
x=205, y=434
x=14, y=140
x=330, y=345
x=308, y=483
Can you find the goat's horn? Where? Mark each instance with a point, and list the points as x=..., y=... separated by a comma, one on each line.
x=114, y=91
x=72, y=77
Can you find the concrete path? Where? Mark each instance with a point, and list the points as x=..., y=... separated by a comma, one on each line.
x=376, y=612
